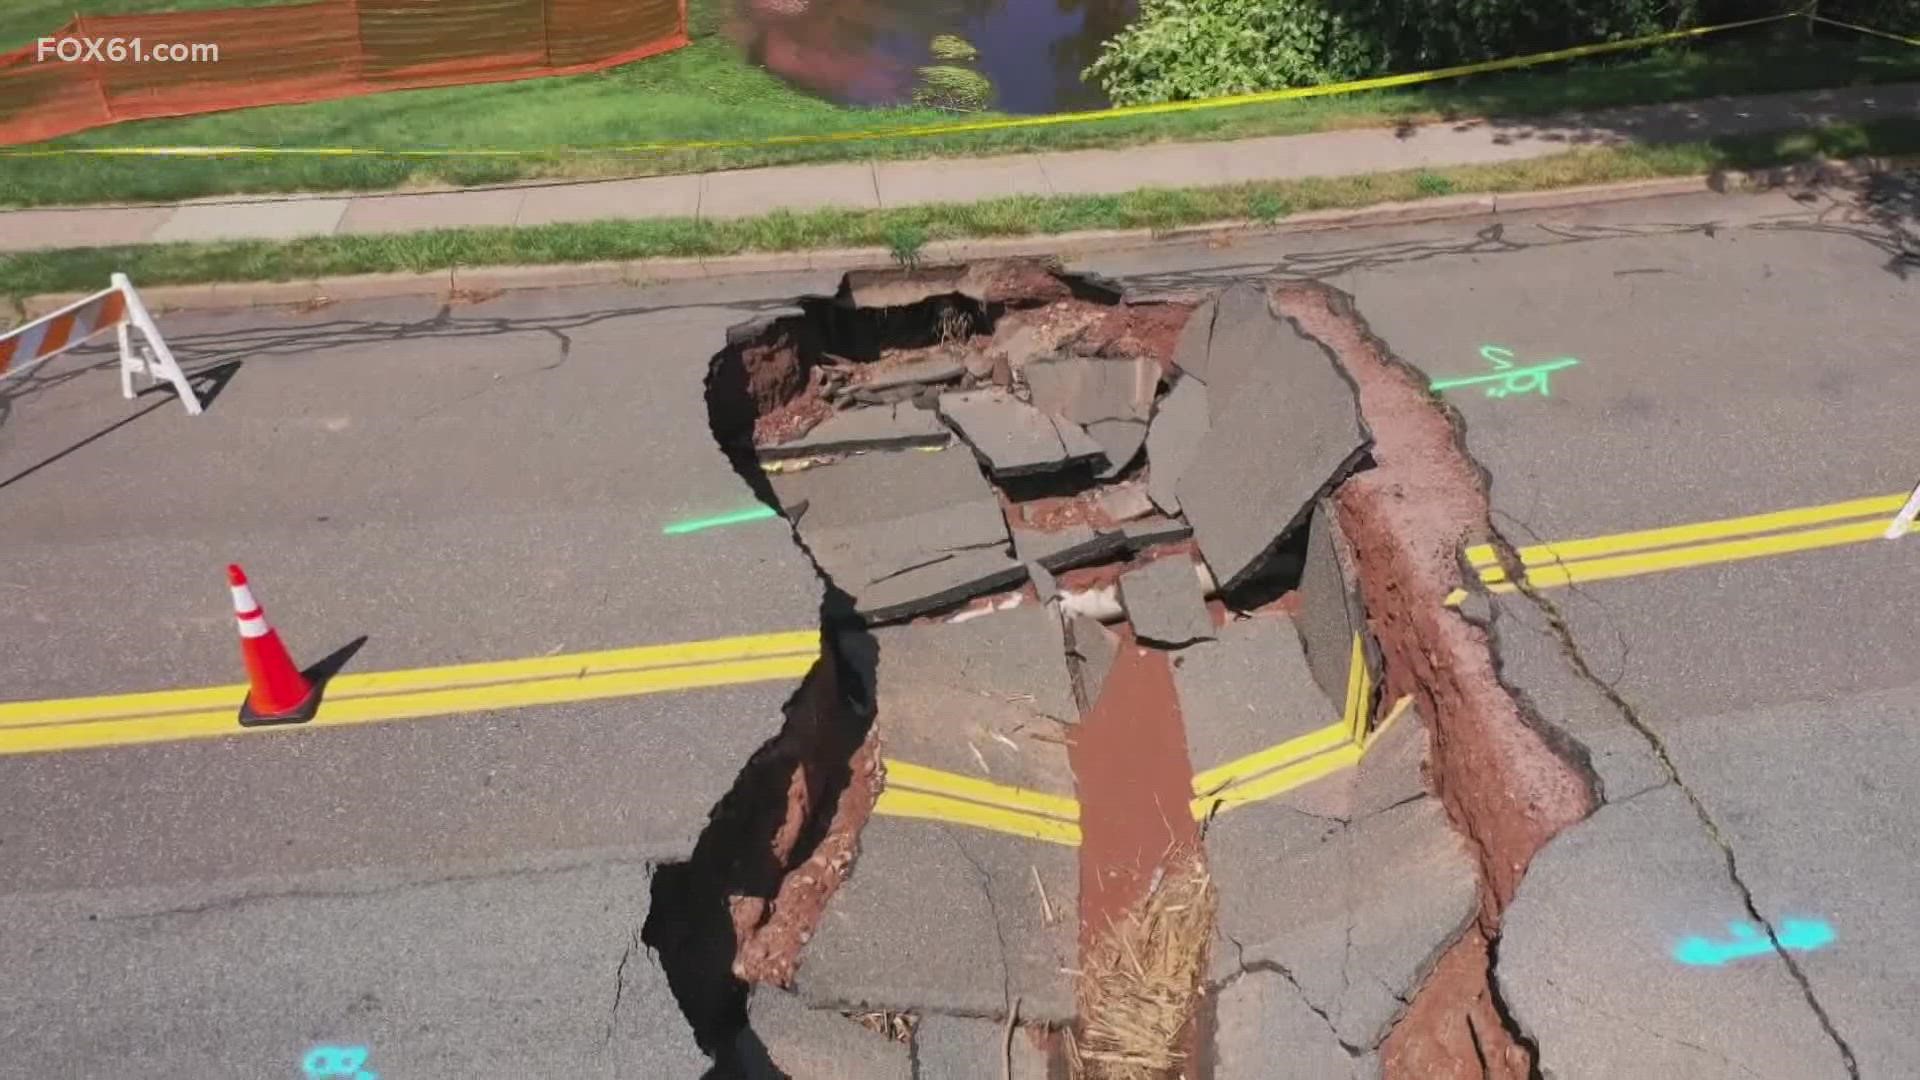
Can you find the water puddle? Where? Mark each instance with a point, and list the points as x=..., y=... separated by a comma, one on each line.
x=871, y=52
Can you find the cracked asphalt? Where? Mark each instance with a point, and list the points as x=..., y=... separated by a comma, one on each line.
x=1747, y=721
x=460, y=895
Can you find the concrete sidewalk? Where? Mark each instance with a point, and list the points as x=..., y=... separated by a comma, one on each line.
x=872, y=185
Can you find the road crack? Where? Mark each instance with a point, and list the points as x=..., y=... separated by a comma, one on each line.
x=1645, y=1030
x=620, y=983
x=1516, y=573
x=993, y=912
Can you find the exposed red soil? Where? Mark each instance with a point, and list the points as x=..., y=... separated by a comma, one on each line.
x=1503, y=786
x=761, y=370
x=1022, y=281
x=1052, y=513
x=771, y=933
x=1103, y=574
x=1149, y=329
x=1453, y=1030
x=1134, y=782
x=777, y=847
x=794, y=417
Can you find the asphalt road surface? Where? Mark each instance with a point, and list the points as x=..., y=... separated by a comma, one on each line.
x=460, y=893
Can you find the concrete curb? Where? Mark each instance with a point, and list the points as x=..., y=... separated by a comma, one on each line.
x=481, y=282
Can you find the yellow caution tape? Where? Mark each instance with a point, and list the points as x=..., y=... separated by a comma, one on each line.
x=965, y=127
x=1864, y=29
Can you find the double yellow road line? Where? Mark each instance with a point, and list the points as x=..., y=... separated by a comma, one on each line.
x=1300, y=760
x=210, y=712
x=915, y=791
x=1703, y=543
x=912, y=790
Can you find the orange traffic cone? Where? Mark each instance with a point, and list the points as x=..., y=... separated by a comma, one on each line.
x=277, y=693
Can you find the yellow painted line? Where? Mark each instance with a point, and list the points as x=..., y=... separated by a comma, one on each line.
x=1280, y=781
x=787, y=644
x=1252, y=772
x=1359, y=691
x=1483, y=557
x=1701, y=555
x=116, y=730
x=907, y=776
x=926, y=806
x=1214, y=780
x=1401, y=706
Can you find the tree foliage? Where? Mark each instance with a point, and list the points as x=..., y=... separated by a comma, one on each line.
x=1187, y=49
x=1182, y=49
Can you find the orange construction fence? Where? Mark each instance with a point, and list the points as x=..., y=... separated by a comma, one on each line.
x=308, y=52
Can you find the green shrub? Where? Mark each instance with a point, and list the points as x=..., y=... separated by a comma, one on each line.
x=953, y=48
x=956, y=89
x=1266, y=207
x=905, y=241
x=1187, y=49
x=1437, y=33
x=1432, y=183
x=1191, y=49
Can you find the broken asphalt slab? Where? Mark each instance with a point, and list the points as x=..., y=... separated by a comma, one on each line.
x=1248, y=690
x=1090, y=655
x=1355, y=912
x=878, y=427
x=1111, y=398
x=1124, y=502
x=1587, y=964
x=987, y=281
x=1331, y=612
x=987, y=698
x=946, y=918
x=940, y=918
x=1534, y=665
x=932, y=370
x=1063, y=549
x=1152, y=530
x=1285, y=428
x=1015, y=439
x=1190, y=349
x=786, y=1040
x=1164, y=602
x=1265, y=1030
x=1179, y=426
x=1815, y=798
x=902, y=533
x=958, y=1048
x=869, y=488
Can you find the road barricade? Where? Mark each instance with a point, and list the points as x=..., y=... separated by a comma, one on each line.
x=118, y=308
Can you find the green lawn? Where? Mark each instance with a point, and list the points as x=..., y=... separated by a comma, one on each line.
x=903, y=230
x=707, y=91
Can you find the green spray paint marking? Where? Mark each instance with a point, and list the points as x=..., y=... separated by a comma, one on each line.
x=1510, y=379
x=693, y=525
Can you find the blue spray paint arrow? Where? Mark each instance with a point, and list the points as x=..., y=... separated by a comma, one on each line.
x=1800, y=935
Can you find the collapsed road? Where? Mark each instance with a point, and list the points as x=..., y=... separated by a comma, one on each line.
x=1536, y=701
x=1091, y=549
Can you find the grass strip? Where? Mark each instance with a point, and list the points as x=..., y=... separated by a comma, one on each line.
x=905, y=229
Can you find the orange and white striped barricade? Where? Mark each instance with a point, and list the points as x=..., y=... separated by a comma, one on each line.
x=118, y=309
x=1903, y=520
